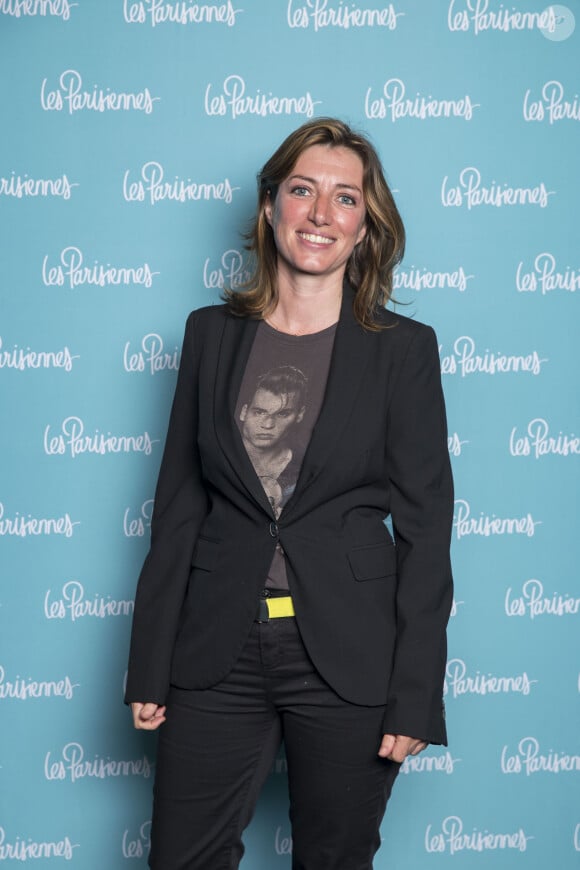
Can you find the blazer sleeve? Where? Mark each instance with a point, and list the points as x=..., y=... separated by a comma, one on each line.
x=422, y=514
x=179, y=508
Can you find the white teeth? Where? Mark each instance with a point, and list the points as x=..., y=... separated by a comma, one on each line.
x=319, y=240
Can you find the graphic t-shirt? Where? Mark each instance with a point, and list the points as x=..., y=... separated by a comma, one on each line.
x=280, y=399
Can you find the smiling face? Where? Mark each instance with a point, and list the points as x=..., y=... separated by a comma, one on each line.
x=318, y=215
x=269, y=416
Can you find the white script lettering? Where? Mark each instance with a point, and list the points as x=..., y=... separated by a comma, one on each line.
x=20, y=186
x=533, y=602
x=443, y=763
x=471, y=192
x=466, y=361
x=152, y=186
x=545, y=277
x=70, y=95
x=72, y=440
x=137, y=847
x=25, y=526
x=394, y=105
x=233, y=100
x=474, y=15
x=451, y=838
x=135, y=527
x=179, y=12
x=232, y=271
x=552, y=106
x=23, y=689
x=74, y=605
x=424, y=279
x=459, y=682
x=25, y=849
x=53, y=8
x=282, y=844
x=486, y=526
x=24, y=359
x=454, y=444
x=320, y=14
x=529, y=759
x=72, y=765
x=455, y=607
x=72, y=271
x=152, y=357
x=538, y=442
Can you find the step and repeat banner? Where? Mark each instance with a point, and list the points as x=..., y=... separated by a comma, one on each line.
x=131, y=134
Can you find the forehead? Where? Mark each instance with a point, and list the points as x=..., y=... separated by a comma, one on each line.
x=274, y=401
x=334, y=163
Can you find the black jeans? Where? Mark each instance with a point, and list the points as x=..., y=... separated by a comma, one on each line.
x=218, y=745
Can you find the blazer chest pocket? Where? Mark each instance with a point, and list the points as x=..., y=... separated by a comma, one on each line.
x=205, y=554
x=373, y=562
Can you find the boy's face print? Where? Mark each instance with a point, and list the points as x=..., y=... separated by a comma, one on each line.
x=269, y=417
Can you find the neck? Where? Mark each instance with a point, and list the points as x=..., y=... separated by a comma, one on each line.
x=306, y=307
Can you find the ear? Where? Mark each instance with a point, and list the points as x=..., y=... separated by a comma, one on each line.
x=362, y=232
x=300, y=415
x=268, y=208
x=243, y=413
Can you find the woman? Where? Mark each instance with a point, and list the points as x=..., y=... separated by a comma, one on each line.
x=274, y=603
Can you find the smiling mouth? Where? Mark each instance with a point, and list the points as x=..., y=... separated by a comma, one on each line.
x=318, y=240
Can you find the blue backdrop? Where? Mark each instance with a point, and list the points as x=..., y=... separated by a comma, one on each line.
x=131, y=134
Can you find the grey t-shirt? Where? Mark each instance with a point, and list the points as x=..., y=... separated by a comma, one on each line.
x=279, y=402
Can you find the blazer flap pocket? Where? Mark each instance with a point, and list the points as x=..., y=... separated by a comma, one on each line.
x=374, y=561
x=205, y=554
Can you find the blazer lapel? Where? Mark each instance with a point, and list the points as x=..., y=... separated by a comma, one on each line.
x=236, y=344
x=346, y=377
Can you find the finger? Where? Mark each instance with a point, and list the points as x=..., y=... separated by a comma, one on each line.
x=159, y=716
x=398, y=754
x=401, y=748
x=386, y=746
x=152, y=724
x=147, y=711
x=143, y=713
x=147, y=716
x=135, y=710
x=406, y=746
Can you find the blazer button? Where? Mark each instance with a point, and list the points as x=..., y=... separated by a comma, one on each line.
x=274, y=530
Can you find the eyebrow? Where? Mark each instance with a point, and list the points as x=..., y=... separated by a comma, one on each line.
x=341, y=184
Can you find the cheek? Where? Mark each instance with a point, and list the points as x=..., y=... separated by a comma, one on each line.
x=288, y=213
x=351, y=226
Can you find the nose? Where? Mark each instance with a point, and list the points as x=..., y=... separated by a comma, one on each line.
x=320, y=210
x=268, y=422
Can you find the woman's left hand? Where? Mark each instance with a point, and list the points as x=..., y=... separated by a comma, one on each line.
x=396, y=747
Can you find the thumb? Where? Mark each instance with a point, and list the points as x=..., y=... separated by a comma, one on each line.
x=147, y=711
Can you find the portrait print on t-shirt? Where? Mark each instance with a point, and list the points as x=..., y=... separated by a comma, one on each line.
x=280, y=398
x=269, y=420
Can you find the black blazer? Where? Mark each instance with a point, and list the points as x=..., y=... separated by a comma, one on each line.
x=372, y=613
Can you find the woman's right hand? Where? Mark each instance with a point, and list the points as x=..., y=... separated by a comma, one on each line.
x=147, y=717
